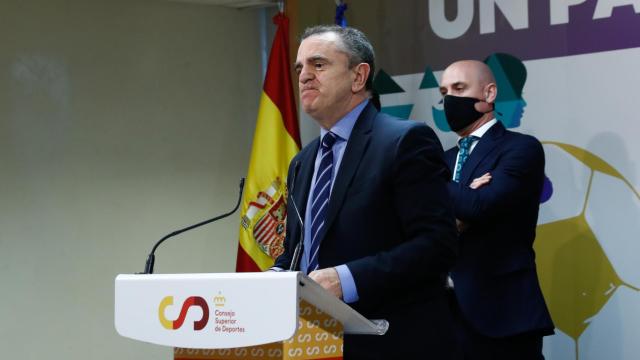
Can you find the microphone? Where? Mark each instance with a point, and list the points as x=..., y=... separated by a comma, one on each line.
x=148, y=268
x=298, y=250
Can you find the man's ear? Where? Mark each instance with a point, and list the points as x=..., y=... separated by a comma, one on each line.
x=361, y=72
x=491, y=92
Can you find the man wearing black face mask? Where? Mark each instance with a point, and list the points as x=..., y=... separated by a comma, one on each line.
x=497, y=178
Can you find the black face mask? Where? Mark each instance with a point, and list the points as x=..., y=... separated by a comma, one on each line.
x=460, y=111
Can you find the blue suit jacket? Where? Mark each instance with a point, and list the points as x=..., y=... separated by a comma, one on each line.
x=391, y=221
x=495, y=278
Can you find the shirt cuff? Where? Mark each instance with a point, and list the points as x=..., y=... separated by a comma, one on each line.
x=349, y=290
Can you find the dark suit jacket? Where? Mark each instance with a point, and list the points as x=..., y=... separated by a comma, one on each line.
x=495, y=278
x=391, y=221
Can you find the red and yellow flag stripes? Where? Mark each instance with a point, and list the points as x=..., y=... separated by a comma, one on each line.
x=275, y=142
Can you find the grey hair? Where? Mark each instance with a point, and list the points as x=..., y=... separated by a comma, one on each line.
x=354, y=43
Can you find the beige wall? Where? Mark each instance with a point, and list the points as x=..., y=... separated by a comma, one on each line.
x=120, y=120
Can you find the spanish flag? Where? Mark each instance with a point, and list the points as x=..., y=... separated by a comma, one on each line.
x=275, y=142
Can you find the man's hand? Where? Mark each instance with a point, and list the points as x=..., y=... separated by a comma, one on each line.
x=328, y=279
x=475, y=184
x=461, y=226
x=481, y=181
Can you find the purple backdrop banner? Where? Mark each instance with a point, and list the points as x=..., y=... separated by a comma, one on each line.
x=409, y=34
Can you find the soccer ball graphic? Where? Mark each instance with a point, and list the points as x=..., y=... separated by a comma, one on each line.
x=587, y=252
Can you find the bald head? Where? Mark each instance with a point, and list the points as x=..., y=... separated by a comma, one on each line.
x=469, y=75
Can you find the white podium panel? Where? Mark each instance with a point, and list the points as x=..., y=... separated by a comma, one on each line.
x=207, y=310
x=220, y=311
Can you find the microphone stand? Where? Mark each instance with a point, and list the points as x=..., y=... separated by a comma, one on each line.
x=297, y=252
x=148, y=268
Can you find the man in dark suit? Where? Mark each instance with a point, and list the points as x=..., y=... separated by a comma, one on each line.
x=379, y=230
x=497, y=180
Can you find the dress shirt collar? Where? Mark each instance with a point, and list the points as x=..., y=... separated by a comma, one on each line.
x=345, y=125
x=482, y=129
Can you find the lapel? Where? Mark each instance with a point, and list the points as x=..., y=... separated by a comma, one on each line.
x=450, y=158
x=303, y=182
x=486, y=144
x=356, y=146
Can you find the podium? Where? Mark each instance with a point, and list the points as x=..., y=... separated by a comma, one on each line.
x=267, y=315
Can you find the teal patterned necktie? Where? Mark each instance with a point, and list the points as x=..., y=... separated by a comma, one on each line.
x=463, y=154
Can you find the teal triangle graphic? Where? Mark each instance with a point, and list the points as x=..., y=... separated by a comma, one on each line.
x=384, y=84
x=400, y=111
x=428, y=80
